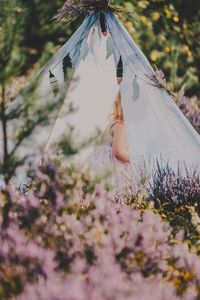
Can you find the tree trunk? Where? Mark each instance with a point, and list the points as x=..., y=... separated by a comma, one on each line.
x=5, y=139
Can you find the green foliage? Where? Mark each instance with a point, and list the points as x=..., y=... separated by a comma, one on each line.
x=167, y=32
x=17, y=55
x=12, y=20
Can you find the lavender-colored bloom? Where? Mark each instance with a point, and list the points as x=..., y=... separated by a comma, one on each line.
x=176, y=188
x=86, y=246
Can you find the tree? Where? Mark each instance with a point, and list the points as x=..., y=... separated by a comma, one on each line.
x=12, y=18
x=32, y=110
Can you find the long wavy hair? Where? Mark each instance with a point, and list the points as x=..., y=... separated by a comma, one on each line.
x=117, y=111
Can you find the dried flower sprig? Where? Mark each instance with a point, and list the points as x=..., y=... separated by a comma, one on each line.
x=160, y=81
x=72, y=9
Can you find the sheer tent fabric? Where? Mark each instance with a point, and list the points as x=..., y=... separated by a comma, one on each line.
x=33, y=113
x=155, y=127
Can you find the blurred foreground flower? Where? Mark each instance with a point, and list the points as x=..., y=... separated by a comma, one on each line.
x=67, y=238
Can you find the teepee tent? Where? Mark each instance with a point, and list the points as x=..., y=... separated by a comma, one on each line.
x=83, y=71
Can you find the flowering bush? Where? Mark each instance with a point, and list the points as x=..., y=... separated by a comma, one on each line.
x=176, y=196
x=190, y=108
x=67, y=238
x=177, y=188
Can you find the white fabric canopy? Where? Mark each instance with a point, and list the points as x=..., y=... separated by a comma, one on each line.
x=155, y=127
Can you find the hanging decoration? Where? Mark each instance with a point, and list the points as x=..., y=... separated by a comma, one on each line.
x=120, y=68
x=54, y=83
x=84, y=49
x=102, y=21
x=159, y=81
x=136, y=89
x=67, y=66
x=110, y=47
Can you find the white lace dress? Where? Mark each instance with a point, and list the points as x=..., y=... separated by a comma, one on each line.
x=103, y=160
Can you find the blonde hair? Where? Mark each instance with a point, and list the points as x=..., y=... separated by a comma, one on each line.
x=117, y=109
